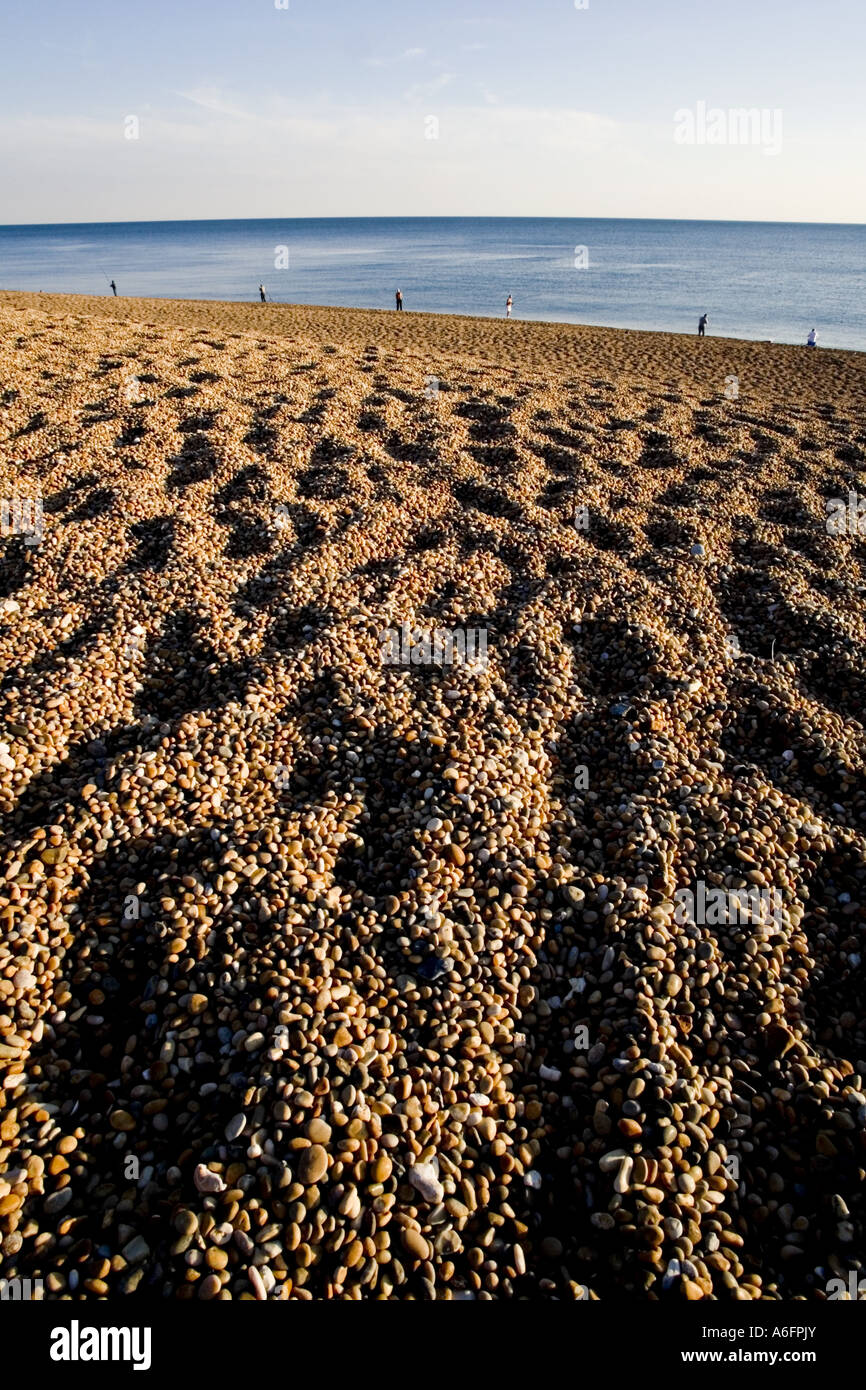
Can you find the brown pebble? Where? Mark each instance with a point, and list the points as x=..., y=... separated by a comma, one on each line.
x=313, y=1164
x=414, y=1244
x=121, y=1120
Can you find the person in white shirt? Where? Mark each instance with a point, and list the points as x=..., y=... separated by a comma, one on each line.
x=812, y=340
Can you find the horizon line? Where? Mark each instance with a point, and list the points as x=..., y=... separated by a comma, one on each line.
x=439, y=217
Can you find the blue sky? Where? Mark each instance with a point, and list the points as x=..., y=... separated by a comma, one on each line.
x=327, y=108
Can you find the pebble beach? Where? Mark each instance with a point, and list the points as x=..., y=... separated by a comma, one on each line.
x=329, y=978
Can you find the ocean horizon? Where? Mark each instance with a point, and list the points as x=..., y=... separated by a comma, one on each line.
x=756, y=280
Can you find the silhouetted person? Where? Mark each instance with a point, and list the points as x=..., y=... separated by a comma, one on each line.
x=399, y=298
x=702, y=325
x=262, y=294
x=113, y=286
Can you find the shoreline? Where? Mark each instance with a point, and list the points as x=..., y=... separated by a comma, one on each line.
x=782, y=371
x=291, y=304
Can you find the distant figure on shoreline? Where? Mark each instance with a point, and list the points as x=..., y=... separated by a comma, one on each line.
x=262, y=294
x=113, y=287
x=399, y=299
x=702, y=325
x=508, y=303
x=812, y=340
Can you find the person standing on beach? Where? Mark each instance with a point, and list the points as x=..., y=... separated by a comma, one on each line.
x=702, y=325
x=812, y=340
x=262, y=294
x=399, y=298
x=508, y=303
x=113, y=288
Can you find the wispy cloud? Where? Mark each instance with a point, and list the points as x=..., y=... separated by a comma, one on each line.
x=428, y=89
x=383, y=62
x=210, y=99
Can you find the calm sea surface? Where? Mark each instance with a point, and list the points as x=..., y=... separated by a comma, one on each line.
x=754, y=279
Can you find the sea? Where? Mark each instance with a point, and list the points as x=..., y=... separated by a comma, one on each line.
x=758, y=280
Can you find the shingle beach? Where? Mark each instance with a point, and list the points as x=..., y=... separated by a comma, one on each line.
x=329, y=977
